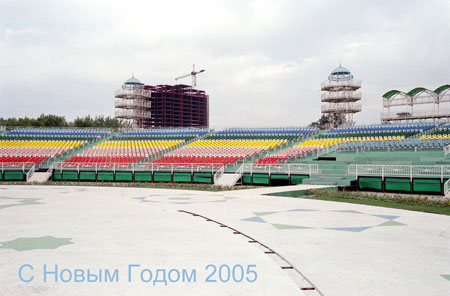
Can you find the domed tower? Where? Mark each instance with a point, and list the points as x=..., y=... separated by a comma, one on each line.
x=133, y=103
x=340, y=94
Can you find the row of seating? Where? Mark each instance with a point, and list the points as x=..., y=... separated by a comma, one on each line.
x=435, y=137
x=140, y=143
x=324, y=142
x=195, y=160
x=172, y=132
x=103, y=160
x=283, y=131
x=403, y=128
x=237, y=143
x=122, y=151
x=403, y=144
x=34, y=151
x=6, y=160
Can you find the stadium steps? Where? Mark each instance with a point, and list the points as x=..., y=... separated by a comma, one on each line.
x=75, y=151
x=428, y=132
x=236, y=165
x=156, y=156
x=39, y=177
x=228, y=179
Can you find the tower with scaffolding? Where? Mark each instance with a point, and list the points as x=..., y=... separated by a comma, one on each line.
x=340, y=94
x=162, y=106
x=133, y=103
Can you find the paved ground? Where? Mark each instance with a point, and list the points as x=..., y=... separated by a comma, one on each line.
x=344, y=249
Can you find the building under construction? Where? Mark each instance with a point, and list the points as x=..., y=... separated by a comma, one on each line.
x=149, y=106
x=178, y=106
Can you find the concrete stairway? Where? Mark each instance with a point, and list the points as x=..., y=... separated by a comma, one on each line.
x=39, y=177
x=228, y=179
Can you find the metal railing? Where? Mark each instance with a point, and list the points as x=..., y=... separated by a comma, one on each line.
x=14, y=166
x=30, y=172
x=172, y=167
x=328, y=149
x=238, y=174
x=48, y=173
x=122, y=103
x=128, y=92
x=308, y=169
x=446, y=150
x=327, y=84
x=132, y=113
x=340, y=96
x=218, y=174
x=447, y=188
x=342, y=107
x=399, y=170
x=415, y=114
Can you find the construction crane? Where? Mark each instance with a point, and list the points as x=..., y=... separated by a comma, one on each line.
x=193, y=74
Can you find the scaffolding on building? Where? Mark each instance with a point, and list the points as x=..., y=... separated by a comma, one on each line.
x=133, y=103
x=340, y=94
x=162, y=106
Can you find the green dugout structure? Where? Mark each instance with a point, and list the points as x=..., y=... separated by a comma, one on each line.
x=15, y=172
x=277, y=175
x=124, y=175
x=402, y=178
x=272, y=179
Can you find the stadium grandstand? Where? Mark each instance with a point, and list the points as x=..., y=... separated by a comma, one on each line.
x=400, y=157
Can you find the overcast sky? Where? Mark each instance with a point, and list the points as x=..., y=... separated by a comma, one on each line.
x=264, y=59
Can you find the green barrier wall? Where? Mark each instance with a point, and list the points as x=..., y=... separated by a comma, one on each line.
x=427, y=185
x=261, y=179
x=247, y=179
x=370, y=183
x=70, y=176
x=397, y=184
x=278, y=177
x=124, y=176
x=143, y=176
x=203, y=178
x=162, y=177
x=296, y=179
x=13, y=176
x=182, y=177
x=87, y=176
x=57, y=176
x=105, y=176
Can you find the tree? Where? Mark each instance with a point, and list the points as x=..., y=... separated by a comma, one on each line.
x=60, y=121
x=52, y=120
x=329, y=121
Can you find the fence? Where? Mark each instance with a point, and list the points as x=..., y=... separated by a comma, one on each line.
x=304, y=169
x=172, y=167
x=446, y=150
x=400, y=171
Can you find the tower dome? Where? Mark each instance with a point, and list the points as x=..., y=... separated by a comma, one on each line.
x=340, y=73
x=133, y=82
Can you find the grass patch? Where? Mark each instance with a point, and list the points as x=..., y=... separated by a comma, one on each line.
x=435, y=205
x=386, y=204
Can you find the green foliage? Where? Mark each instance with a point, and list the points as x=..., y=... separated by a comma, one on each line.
x=60, y=121
x=329, y=121
x=432, y=201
